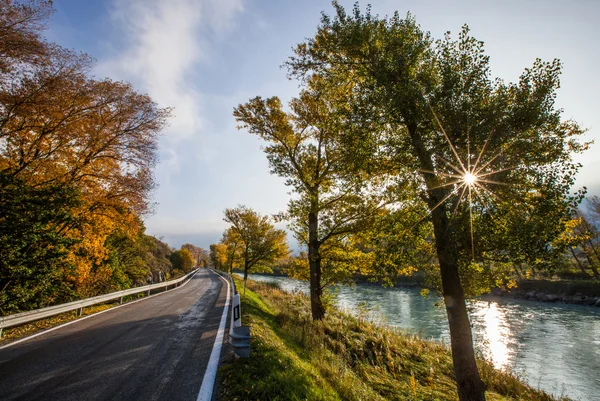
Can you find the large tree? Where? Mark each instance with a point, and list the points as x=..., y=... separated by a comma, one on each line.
x=332, y=202
x=260, y=242
x=60, y=127
x=456, y=128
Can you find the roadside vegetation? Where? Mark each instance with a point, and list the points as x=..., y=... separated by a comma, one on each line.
x=343, y=357
x=403, y=152
x=76, y=173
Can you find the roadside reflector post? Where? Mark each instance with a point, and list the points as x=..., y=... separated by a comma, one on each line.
x=236, y=312
x=239, y=336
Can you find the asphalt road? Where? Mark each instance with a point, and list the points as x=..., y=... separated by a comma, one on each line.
x=155, y=349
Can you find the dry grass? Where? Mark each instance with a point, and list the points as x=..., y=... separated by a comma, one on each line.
x=344, y=357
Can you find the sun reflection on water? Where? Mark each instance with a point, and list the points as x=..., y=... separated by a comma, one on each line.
x=496, y=335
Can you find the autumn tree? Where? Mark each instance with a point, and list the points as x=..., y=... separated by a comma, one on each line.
x=260, y=241
x=199, y=254
x=183, y=260
x=21, y=27
x=332, y=202
x=61, y=128
x=232, y=240
x=218, y=256
x=458, y=130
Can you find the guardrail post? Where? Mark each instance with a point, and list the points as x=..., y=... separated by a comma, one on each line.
x=239, y=336
x=121, y=301
x=148, y=293
x=1, y=328
x=79, y=312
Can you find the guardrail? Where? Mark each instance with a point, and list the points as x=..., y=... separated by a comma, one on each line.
x=239, y=336
x=37, y=314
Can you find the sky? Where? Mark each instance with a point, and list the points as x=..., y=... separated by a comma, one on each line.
x=205, y=57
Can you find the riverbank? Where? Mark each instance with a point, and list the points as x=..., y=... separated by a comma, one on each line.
x=343, y=358
x=578, y=292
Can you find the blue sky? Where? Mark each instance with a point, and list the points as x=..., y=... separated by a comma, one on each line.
x=204, y=57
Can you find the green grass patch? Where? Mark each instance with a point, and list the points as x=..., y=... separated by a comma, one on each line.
x=343, y=357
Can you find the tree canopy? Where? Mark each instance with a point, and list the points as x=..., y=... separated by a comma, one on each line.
x=260, y=242
x=67, y=136
x=472, y=146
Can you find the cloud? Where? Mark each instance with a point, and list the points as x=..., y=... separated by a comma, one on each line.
x=163, y=43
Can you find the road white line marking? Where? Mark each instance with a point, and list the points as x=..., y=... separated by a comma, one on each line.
x=93, y=315
x=208, y=383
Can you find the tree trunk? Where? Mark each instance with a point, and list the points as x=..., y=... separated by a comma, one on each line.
x=533, y=271
x=314, y=261
x=593, y=249
x=592, y=267
x=245, y=273
x=469, y=384
x=578, y=261
x=517, y=270
x=232, y=256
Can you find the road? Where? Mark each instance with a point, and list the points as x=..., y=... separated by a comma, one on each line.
x=155, y=349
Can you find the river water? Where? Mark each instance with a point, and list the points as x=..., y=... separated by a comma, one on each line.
x=554, y=347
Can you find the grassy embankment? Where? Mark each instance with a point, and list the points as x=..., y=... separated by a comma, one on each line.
x=342, y=358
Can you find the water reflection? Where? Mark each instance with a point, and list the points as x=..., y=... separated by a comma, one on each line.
x=495, y=333
x=554, y=347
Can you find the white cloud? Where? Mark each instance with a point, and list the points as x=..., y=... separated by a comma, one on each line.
x=164, y=44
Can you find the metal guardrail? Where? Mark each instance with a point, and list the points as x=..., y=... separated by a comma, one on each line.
x=239, y=336
x=37, y=314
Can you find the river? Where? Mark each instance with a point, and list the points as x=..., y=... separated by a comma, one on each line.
x=554, y=347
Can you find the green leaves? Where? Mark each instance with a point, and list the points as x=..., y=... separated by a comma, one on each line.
x=33, y=246
x=258, y=240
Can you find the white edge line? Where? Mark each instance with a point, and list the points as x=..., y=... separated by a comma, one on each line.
x=92, y=315
x=208, y=382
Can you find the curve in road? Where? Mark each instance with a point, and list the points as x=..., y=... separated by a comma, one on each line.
x=156, y=349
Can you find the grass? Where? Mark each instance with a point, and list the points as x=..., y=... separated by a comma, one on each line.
x=343, y=358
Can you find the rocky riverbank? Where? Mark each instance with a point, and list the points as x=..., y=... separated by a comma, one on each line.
x=568, y=292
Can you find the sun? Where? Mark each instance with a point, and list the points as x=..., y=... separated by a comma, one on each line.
x=469, y=178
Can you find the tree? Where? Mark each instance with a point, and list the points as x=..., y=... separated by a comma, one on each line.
x=33, y=245
x=218, y=256
x=332, y=201
x=260, y=241
x=21, y=24
x=157, y=255
x=232, y=240
x=441, y=104
x=183, y=260
x=199, y=254
x=62, y=128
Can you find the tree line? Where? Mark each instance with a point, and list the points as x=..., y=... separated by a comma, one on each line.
x=76, y=161
x=403, y=152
